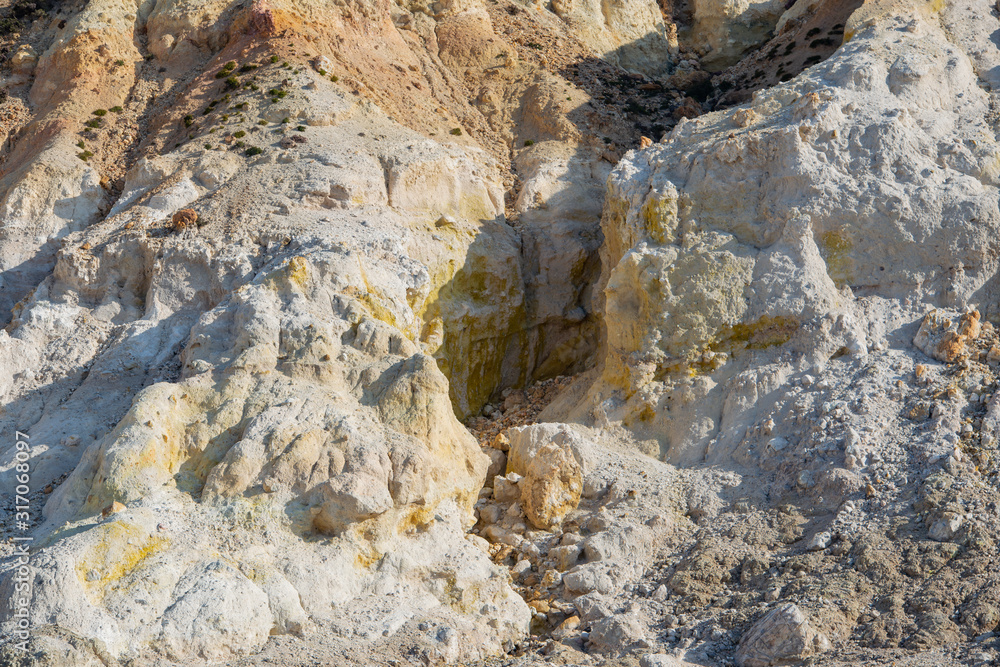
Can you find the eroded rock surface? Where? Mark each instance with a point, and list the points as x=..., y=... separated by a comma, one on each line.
x=263, y=259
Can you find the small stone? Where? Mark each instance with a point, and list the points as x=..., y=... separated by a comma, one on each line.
x=566, y=628
x=521, y=567
x=501, y=442
x=820, y=541
x=183, y=219
x=661, y=660
x=505, y=489
x=113, y=508
x=945, y=528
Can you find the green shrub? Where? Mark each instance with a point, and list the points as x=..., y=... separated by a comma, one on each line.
x=300, y=128
x=232, y=83
x=208, y=147
x=80, y=144
x=335, y=78
x=85, y=155
x=457, y=131
x=248, y=68
x=529, y=142
x=100, y=112
x=262, y=122
x=117, y=109
x=274, y=59
x=285, y=120
x=188, y=120
x=93, y=123
x=254, y=150
x=239, y=134
x=120, y=63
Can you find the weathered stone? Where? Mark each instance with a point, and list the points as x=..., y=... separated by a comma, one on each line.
x=781, y=636
x=551, y=486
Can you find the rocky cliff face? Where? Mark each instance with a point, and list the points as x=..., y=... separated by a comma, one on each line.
x=270, y=265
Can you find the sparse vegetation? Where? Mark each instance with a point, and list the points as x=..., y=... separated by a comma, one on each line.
x=335, y=78
x=262, y=122
x=254, y=150
x=120, y=63
x=208, y=147
x=85, y=155
x=232, y=83
x=300, y=128
x=100, y=112
x=456, y=131
x=116, y=109
x=188, y=120
x=93, y=123
x=80, y=144
x=239, y=134
x=528, y=142
x=274, y=59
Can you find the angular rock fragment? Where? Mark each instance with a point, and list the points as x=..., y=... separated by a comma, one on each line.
x=781, y=636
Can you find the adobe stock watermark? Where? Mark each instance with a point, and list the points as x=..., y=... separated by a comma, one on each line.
x=20, y=602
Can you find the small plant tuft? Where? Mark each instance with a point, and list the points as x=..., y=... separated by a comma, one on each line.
x=116, y=109
x=274, y=59
x=528, y=142
x=457, y=131
x=300, y=128
x=335, y=78
x=80, y=144
x=239, y=134
x=100, y=112
x=262, y=122
x=254, y=150
x=188, y=120
x=85, y=155
x=93, y=123
x=232, y=83
x=208, y=147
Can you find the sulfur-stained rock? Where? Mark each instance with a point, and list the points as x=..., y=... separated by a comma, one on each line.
x=946, y=335
x=551, y=486
x=184, y=218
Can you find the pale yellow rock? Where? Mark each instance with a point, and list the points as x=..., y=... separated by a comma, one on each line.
x=551, y=487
